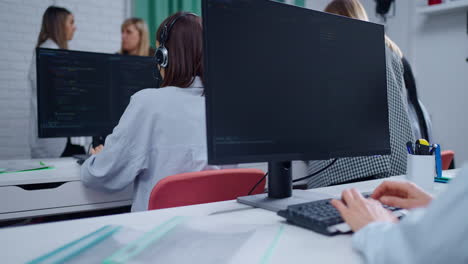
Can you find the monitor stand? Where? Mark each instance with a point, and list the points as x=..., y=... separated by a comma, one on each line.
x=280, y=193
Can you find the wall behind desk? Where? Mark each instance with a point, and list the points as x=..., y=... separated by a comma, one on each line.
x=437, y=47
x=440, y=49
x=98, y=29
x=397, y=27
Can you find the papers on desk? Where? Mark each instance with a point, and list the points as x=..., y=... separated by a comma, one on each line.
x=450, y=174
x=447, y=176
x=178, y=240
x=23, y=165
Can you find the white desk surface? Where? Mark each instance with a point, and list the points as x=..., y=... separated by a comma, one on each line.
x=69, y=197
x=297, y=245
x=72, y=196
x=65, y=169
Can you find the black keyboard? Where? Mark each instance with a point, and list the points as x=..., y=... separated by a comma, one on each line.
x=81, y=158
x=320, y=216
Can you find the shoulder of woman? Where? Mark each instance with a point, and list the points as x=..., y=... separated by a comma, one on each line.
x=151, y=94
x=394, y=60
x=152, y=100
x=49, y=44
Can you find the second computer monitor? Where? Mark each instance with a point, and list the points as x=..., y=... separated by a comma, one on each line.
x=287, y=83
x=85, y=93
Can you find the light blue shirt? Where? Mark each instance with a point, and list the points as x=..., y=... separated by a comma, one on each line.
x=161, y=133
x=436, y=234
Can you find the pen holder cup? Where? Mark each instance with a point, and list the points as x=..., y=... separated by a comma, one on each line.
x=421, y=170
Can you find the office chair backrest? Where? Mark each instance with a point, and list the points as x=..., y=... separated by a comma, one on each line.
x=447, y=159
x=205, y=187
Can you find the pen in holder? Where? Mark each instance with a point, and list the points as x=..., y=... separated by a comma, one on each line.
x=438, y=159
x=421, y=170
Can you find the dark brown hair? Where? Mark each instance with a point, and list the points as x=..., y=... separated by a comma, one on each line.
x=185, y=47
x=53, y=26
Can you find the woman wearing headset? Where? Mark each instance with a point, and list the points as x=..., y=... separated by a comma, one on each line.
x=162, y=131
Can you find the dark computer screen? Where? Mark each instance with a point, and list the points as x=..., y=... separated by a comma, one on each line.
x=85, y=93
x=287, y=83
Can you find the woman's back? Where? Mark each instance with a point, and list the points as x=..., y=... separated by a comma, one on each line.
x=161, y=133
x=171, y=121
x=362, y=168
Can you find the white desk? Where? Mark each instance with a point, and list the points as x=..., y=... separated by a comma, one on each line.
x=69, y=196
x=296, y=245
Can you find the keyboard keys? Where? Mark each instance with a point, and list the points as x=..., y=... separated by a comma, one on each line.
x=318, y=216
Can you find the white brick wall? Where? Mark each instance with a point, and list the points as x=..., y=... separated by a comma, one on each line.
x=98, y=29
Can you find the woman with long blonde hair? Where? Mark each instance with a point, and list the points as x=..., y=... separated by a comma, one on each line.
x=419, y=116
x=135, y=38
x=366, y=168
x=354, y=9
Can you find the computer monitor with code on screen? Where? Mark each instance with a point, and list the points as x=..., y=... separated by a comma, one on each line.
x=86, y=93
x=287, y=83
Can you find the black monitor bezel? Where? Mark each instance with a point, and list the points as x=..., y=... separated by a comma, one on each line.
x=216, y=160
x=39, y=90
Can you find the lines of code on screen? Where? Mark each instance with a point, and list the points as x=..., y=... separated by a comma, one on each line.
x=85, y=94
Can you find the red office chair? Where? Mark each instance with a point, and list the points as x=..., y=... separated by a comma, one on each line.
x=447, y=158
x=205, y=187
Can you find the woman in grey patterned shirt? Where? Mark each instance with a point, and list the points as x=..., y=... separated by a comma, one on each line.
x=364, y=168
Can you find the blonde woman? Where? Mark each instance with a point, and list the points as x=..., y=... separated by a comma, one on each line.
x=421, y=123
x=58, y=27
x=135, y=38
x=347, y=170
x=354, y=9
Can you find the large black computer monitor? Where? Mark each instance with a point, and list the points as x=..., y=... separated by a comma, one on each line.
x=85, y=93
x=287, y=83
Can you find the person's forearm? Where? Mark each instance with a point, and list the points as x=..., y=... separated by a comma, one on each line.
x=109, y=170
x=381, y=243
x=402, y=242
x=436, y=234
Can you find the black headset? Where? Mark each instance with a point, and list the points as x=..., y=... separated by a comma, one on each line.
x=383, y=6
x=161, y=54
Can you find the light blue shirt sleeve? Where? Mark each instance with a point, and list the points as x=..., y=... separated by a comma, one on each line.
x=437, y=234
x=124, y=155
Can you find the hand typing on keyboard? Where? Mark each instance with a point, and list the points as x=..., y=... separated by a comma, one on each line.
x=354, y=212
x=96, y=150
x=405, y=195
x=358, y=211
